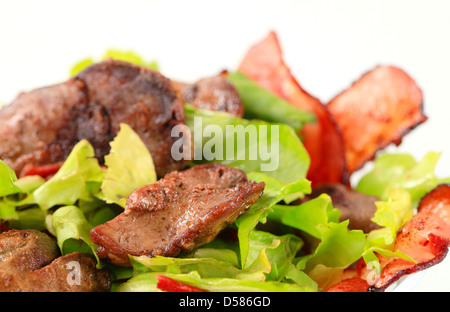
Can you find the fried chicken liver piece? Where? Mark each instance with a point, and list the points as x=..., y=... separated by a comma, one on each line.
x=42, y=126
x=30, y=262
x=180, y=212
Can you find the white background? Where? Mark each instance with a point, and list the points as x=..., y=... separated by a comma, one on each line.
x=327, y=44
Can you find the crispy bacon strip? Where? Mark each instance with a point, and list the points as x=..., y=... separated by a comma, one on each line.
x=170, y=285
x=377, y=110
x=353, y=284
x=264, y=64
x=425, y=238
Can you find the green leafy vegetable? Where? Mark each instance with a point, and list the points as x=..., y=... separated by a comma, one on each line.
x=7, y=178
x=309, y=217
x=277, y=251
x=116, y=54
x=148, y=282
x=338, y=246
x=249, y=145
x=129, y=166
x=394, y=212
x=271, y=258
x=205, y=266
x=262, y=104
x=78, y=178
x=145, y=282
x=7, y=212
x=130, y=57
x=391, y=214
x=274, y=192
x=400, y=182
x=28, y=184
x=400, y=171
x=30, y=218
x=79, y=66
x=72, y=231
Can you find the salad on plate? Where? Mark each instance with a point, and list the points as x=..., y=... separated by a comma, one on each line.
x=122, y=179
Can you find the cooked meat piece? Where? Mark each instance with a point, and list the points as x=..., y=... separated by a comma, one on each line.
x=141, y=98
x=27, y=250
x=75, y=272
x=179, y=212
x=214, y=93
x=42, y=126
x=3, y=227
x=356, y=207
x=425, y=238
x=378, y=109
x=29, y=261
x=264, y=63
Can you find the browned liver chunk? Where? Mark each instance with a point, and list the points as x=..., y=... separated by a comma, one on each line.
x=179, y=212
x=30, y=262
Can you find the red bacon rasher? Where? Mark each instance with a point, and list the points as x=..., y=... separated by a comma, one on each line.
x=425, y=238
x=353, y=284
x=377, y=110
x=264, y=64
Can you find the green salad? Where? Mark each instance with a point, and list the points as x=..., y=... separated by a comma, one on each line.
x=280, y=246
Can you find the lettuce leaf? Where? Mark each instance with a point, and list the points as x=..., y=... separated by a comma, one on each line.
x=130, y=57
x=260, y=103
x=205, y=266
x=275, y=151
x=80, y=65
x=78, y=178
x=148, y=282
x=72, y=231
x=267, y=252
x=8, y=187
x=400, y=182
x=129, y=166
x=338, y=246
x=28, y=184
x=394, y=212
x=8, y=212
x=218, y=270
x=274, y=192
x=7, y=178
x=308, y=217
x=145, y=282
x=239, y=285
x=401, y=171
x=31, y=218
x=116, y=54
x=391, y=215
x=16, y=190
x=276, y=252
